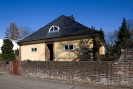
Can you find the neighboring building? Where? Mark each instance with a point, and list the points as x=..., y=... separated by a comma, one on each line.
x=57, y=41
x=15, y=47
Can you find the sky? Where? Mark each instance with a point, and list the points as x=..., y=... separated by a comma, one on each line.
x=105, y=14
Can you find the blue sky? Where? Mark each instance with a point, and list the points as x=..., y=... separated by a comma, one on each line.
x=105, y=14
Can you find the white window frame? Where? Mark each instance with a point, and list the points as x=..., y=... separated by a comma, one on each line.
x=33, y=49
x=69, y=47
x=54, y=26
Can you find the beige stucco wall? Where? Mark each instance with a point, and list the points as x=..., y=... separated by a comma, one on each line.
x=65, y=55
x=60, y=54
x=27, y=54
x=102, y=50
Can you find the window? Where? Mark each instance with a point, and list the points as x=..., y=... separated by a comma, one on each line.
x=68, y=47
x=33, y=49
x=54, y=29
x=71, y=47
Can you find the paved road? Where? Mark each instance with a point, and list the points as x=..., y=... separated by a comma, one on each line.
x=17, y=82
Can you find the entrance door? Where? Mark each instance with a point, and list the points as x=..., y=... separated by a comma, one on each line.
x=49, y=52
x=15, y=67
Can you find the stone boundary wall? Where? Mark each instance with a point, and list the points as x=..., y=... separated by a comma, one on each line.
x=116, y=73
x=5, y=68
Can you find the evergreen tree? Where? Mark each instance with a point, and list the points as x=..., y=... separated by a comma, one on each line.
x=0, y=57
x=84, y=52
x=95, y=49
x=96, y=44
x=7, y=51
x=124, y=38
x=102, y=33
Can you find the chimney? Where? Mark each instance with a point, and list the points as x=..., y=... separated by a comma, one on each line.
x=72, y=17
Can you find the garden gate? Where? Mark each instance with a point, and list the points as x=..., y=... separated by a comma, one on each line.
x=16, y=67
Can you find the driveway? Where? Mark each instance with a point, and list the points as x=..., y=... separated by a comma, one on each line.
x=19, y=82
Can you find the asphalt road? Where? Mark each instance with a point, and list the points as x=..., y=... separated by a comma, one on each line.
x=19, y=82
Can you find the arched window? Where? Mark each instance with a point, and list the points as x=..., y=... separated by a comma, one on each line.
x=54, y=29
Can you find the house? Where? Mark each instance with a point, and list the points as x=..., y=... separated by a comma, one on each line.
x=15, y=47
x=57, y=41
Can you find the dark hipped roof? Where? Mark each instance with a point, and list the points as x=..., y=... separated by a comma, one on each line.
x=68, y=27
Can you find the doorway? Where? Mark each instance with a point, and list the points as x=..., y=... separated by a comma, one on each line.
x=51, y=53
x=15, y=67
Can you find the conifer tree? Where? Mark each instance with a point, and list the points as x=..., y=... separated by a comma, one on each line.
x=96, y=44
x=124, y=38
x=7, y=51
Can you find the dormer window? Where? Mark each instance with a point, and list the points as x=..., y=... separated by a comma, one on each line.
x=54, y=29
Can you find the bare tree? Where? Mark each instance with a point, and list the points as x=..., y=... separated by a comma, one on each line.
x=25, y=31
x=12, y=32
x=111, y=37
x=130, y=26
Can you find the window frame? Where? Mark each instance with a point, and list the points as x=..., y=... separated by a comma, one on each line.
x=34, y=49
x=52, y=28
x=68, y=46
